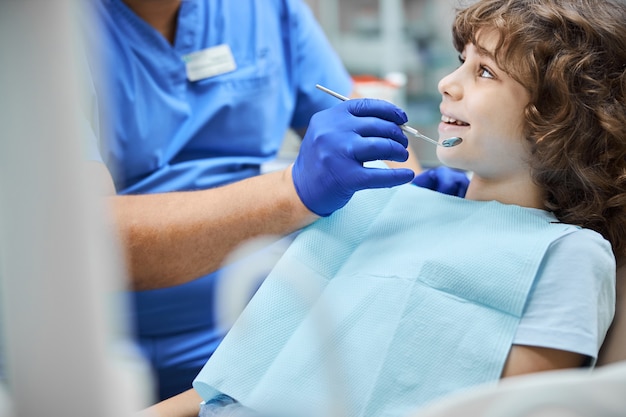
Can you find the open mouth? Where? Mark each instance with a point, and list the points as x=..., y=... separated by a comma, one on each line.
x=451, y=121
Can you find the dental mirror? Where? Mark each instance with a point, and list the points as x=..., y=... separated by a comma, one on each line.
x=446, y=143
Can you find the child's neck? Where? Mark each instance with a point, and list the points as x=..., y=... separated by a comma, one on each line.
x=519, y=192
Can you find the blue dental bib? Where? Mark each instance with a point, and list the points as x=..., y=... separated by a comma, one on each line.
x=401, y=297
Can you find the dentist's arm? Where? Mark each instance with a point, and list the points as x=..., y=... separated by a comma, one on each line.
x=172, y=238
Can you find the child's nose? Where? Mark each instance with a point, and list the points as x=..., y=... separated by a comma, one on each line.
x=450, y=85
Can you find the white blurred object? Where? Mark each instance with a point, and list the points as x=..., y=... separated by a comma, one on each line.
x=6, y=406
x=569, y=393
x=67, y=349
x=244, y=271
x=391, y=88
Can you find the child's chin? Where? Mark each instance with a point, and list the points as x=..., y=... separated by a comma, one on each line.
x=447, y=157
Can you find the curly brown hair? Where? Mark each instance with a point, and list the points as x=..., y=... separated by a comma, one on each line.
x=571, y=57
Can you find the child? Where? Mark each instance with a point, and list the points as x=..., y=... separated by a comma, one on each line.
x=406, y=295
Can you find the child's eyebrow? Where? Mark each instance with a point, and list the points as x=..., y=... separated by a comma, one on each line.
x=484, y=52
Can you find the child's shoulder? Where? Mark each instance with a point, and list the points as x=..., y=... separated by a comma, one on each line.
x=586, y=249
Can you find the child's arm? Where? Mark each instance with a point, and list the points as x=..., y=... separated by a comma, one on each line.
x=529, y=359
x=186, y=404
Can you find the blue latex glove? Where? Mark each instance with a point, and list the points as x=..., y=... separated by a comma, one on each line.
x=443, y=179
x=329, y=168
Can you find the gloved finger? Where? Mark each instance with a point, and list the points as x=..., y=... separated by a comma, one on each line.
x=370, y=107
x=451, y=181
x=382, y=177
x=426, y=179
x=373, y=127
x=448, y=183
x=444, y=180
x=372, y=149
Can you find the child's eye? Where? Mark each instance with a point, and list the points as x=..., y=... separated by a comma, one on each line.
x=485, y=72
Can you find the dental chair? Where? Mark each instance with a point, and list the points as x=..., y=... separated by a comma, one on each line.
x=567, y=393
x=614, y=346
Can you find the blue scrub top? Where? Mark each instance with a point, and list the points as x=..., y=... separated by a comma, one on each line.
x=166, y=133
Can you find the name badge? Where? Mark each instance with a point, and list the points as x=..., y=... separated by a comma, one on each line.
x=209, y=62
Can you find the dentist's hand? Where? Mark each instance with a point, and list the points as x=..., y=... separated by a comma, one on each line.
x=329, y=168
x=444, y=180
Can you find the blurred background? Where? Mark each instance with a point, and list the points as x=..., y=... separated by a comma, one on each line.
x=406, y=43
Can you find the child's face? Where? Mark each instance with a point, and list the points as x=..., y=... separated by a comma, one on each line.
x=484, y=106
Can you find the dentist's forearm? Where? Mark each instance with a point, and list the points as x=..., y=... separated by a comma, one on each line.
x=172, y=238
